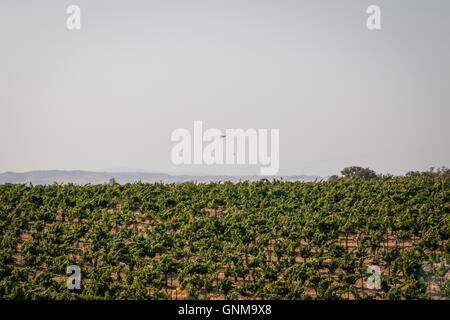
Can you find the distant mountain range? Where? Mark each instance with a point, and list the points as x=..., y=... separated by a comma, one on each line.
x=85, y=177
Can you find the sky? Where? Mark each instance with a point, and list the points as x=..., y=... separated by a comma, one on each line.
x=110, y=94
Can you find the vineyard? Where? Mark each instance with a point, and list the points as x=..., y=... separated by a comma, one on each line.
x=260, y=240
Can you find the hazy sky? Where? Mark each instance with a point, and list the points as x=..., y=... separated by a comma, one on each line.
x=110, y=95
